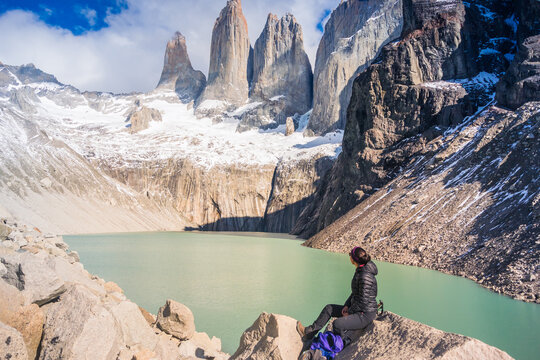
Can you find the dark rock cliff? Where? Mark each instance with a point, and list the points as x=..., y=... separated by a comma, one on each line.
x=353, y=36
x=432, y=78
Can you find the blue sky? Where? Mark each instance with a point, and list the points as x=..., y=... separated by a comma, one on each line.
x=118, y=45
x=77, y=16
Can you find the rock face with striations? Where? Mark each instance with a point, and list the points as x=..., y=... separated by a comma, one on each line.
x=353, y=36
x=178, y=74
x=425, y=82
x=281, y=66
x=229, y=53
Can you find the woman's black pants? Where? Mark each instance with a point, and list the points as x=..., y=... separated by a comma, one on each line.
x=355, y=321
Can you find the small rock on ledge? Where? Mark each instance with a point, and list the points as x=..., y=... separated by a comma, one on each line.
x=177, y=320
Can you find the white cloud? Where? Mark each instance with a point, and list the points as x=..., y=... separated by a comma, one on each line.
x=90, y=15
x=128, y=55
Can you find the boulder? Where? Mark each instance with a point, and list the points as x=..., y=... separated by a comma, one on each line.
x=72, y=273
x=73, y=257
x=79, y=325
x=4, y=231
x=150, y=318
x=201, y=346
x=133, y=326
x=112, y=287
x=39, y=283
x=13, y=347
x=11, y=300
x=271, y=336
x=176, y=319
x=229, y=53
x=28, y=321
x=178, y=74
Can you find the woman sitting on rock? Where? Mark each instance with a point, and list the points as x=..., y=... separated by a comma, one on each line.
x=359, y=310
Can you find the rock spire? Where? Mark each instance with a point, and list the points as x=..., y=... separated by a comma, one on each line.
x=178, y=74
x=229, y=53
x=281, y=66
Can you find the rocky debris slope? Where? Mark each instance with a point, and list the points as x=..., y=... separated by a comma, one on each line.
x=229, y=52
x=353, y=36
x=430, y=79
x=51, y=308
x=468, y=204
x=178, y=74
x=391, y=336
x=281, y=67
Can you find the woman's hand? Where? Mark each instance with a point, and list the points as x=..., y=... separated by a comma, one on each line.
x=345, y=311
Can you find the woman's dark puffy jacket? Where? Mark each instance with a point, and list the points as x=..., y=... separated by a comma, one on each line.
x=364, y=290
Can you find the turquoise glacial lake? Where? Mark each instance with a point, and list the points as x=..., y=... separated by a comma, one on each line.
x=228, y=279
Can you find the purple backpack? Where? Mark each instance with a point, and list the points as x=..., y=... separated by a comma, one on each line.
x=328, y=343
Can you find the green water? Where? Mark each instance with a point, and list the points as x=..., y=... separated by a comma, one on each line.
x=227, y=280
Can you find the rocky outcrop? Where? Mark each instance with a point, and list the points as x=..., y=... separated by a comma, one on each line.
x=468, y=204
x=353, y=36
x=178, y=74
x=281, y=66
x=229, y=52
x=521, y=82
x=270, y=337
x=140, y=118
x=396, y=337
x=390, y=336
x=421, y=84
x=176, y=319
x=90, y=318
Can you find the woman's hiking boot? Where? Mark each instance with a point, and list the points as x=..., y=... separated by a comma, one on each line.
x=306, y=333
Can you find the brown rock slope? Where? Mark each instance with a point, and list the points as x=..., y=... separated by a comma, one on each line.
x=468, y=204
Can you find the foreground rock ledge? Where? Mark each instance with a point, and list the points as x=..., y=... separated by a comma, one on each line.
x=51, y=308
x=274, y=336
